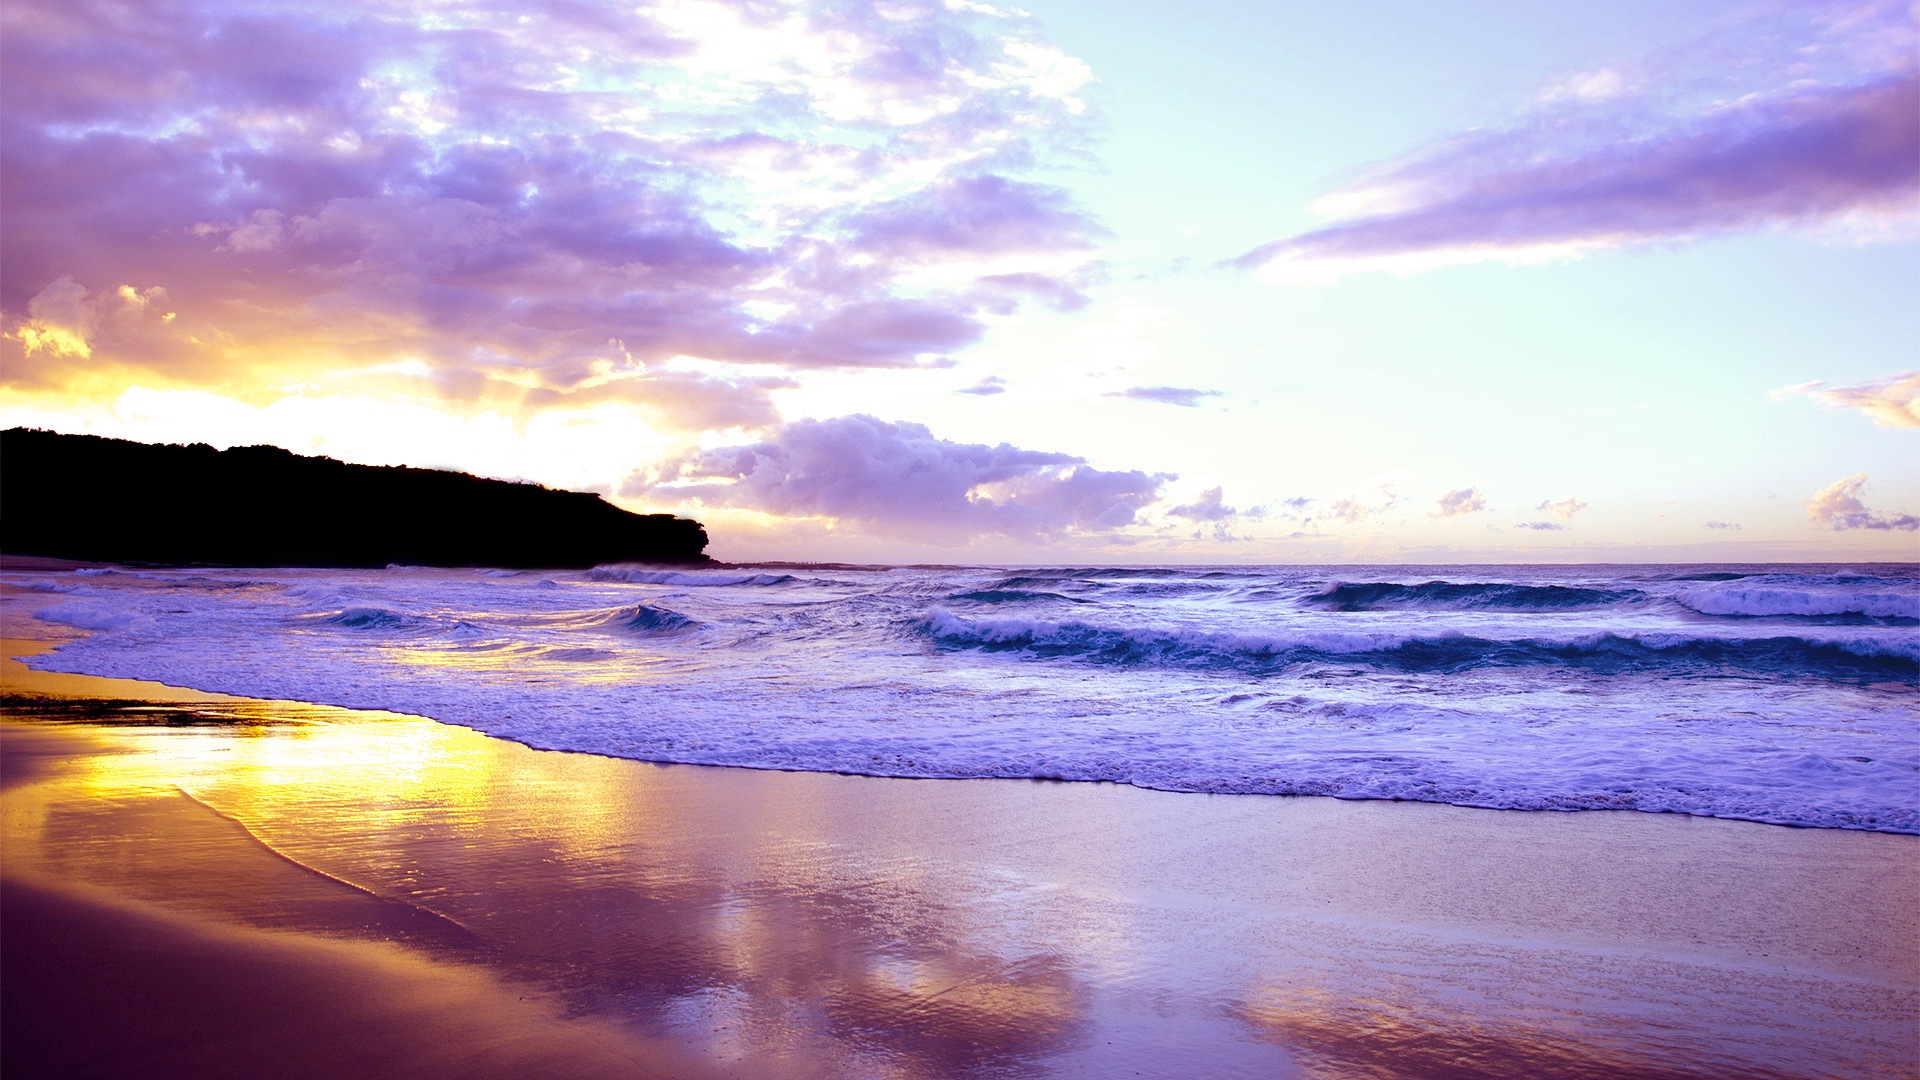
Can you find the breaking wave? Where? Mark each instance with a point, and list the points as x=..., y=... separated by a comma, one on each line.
x=1765, y=602
x=635, y=575
x=648, y=619
x=1468, y=596
x=1604, y=651
x=1012, y=596
x=373, y=618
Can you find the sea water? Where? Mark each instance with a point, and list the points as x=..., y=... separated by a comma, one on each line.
x=1785, y=694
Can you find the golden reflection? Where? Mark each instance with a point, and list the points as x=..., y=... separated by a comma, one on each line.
x=671, y=899
x=574, y=665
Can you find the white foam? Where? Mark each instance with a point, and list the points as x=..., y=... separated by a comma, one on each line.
x=87, y=616
x=1778, y=601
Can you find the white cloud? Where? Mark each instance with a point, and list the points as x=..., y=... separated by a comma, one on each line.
x=1563, y=509
x=1373, y=499
x=1889, y=401
x=1838, y=507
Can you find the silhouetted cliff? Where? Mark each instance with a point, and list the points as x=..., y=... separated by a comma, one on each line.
x=85, y=497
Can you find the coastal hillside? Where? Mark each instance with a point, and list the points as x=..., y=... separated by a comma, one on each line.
x=111, y=500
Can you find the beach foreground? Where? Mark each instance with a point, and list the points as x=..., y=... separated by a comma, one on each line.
x=203, y=885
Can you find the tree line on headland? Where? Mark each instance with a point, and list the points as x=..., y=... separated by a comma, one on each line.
x=110, y=500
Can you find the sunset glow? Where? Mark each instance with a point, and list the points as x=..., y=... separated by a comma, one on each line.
x=954, y=282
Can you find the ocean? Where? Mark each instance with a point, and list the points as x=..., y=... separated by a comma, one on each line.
x=1783, y=694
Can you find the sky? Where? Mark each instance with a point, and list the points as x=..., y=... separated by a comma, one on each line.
x=943, y=281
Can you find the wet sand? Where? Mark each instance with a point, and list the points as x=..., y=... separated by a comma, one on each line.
x=199, y=885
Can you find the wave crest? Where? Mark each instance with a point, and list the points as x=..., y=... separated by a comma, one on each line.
x=1011, y=596
x=1468, y=596
x=373, y=618
x=1760, y=602
x=648, y=619
x=636, y=575
x=1449, y=651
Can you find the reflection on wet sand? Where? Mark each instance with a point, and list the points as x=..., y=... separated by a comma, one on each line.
x=554, y=871
x=802, y=924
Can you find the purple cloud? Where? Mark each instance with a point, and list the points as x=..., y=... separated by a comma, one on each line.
x=1166, y=395
x=987, y=387
x=1595, y=171
x=1210, y=506
x=1838, y=507
x=1542, y=526
x=1002, y=293
x=898, y=479
x=980, y=215
x=539, y=201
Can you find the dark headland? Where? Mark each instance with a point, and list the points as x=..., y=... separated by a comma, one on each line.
x=111, y=500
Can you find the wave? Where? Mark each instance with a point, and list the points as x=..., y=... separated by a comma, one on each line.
x=86, y=616
x=1156, y=587
x=1468, y=596
x=578, y=655
x=1058, y=573
x=1164, y=590
x=63, y=587
x=1602, y=652
x=1029, y=581
x=1759, y=602
x=647, y=619
x=1011, y=596
x=374, y=618
x=634, y=575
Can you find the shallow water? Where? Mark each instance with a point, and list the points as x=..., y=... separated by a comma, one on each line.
x=1772, y=693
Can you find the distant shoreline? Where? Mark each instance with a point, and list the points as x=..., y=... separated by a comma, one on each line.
x=90, y=499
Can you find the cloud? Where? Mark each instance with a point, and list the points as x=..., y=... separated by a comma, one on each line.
x=1462, y=501
x=1838, y=507
x=897, y=479
x=535, y=201
x=975, y=215
x=1542, y=526
x=1586, y=86
x=1373, y=499
x=1165, y=395
x=1563, y=509
x=1002, y=293
x=1594, y=167
x=1209, y=506
x=987, y=387
x=1890, y=401
x=1720, y=525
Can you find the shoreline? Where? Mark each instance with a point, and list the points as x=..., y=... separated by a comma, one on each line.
x=11, y=596
x=795, y=923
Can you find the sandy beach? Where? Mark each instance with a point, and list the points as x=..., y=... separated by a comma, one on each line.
x=201, y=885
